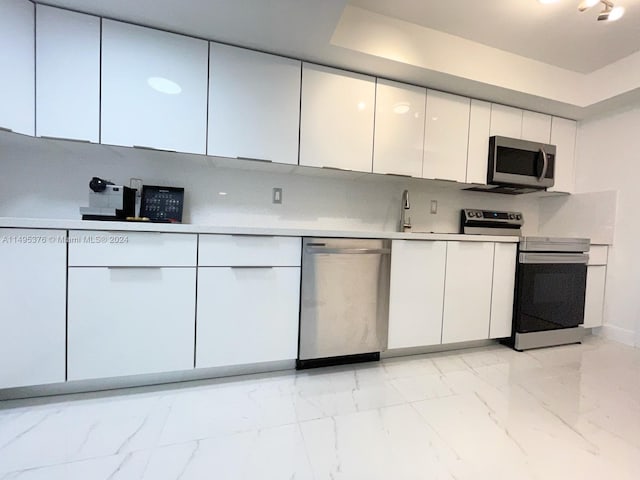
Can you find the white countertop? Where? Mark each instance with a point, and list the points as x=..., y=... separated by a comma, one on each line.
x=67, y=224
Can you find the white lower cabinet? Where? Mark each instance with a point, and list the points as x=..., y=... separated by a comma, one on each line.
x=416, y=297
x=247, y=315
x=33, y=299
x=130, y=321
x=594, y=296
x=504, y=279
x=467, y=293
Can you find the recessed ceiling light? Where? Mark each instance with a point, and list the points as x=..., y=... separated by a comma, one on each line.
x=612, y=15
x=362, y=105
x=164, y=85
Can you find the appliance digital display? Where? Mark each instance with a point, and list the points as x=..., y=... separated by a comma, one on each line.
x=498, y=215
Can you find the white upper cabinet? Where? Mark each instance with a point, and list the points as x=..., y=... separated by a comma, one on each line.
x=504, y=279
x=254, y=105
x=478, y=150
x=17, y=100
x=563, y=136
x=536, y=127
x=68, y=81
x=505, y=122
x=416, y=295
x=336, y=121
x=154, y=88
x=399, y=135
x=467, y=294
x=446, y=136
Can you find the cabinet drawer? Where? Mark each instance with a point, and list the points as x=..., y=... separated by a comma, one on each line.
x=248, y=251
x=89, y=248
x=598, y=255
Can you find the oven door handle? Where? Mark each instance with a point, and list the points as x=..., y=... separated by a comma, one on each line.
x=545, y=165
x=573, y=258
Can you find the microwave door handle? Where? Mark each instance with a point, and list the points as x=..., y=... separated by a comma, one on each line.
x=545, y=165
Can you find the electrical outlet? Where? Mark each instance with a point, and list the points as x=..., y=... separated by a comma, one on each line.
x=277, y=195
x=136, y=183
x=434, y=207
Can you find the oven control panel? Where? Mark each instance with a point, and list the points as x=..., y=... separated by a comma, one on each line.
x=490, y=222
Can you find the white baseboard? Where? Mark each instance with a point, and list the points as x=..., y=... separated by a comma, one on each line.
x=617, y=334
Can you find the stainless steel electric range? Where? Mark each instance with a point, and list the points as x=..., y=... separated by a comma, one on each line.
x=551, y=278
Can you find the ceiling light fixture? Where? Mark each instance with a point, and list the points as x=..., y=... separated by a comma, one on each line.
x=587, y=4
x=611, y=13
x=547, y=1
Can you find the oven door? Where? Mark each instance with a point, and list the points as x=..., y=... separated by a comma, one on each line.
x=550, y=291
x=521, y=163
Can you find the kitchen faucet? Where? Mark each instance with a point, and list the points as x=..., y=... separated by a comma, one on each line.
x=405, y=220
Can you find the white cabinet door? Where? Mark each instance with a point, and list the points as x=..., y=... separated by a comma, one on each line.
x=33, y=298
x=505, y=121
x=467, y=291
x=254, y=105
x=399, y=135
x=336, y=121
x=478, y=151
x=247, y=315
x=130, y=321
x=504, y=279
x=417, y=287
x=154, y=88
x=594, y=297
x=446, y=136
x=68, y=82
x=563, y=136
x=17, y=99
x=536, y=127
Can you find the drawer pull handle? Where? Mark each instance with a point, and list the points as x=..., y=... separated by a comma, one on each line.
x=255, y=159
x=240, y=267
x=50, y=137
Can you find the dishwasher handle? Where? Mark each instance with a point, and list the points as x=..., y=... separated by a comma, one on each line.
x=348, y=251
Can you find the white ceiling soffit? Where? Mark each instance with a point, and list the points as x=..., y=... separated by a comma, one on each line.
x=554, y=33
x=432, y=50
x=334, y=33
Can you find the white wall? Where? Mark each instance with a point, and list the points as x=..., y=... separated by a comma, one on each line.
x=47, y=178
x=609, y=159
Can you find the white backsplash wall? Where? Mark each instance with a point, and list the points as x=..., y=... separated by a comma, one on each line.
x=49, y=179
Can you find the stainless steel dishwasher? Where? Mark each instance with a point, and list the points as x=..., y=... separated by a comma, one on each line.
x=344, y=310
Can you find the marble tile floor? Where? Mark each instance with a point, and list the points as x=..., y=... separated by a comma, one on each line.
x=569, y=412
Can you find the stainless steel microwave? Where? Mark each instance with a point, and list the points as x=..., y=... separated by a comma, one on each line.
x=520, y=163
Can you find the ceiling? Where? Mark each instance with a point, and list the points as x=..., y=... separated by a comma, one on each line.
x=554, y=33
x=547, y=58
